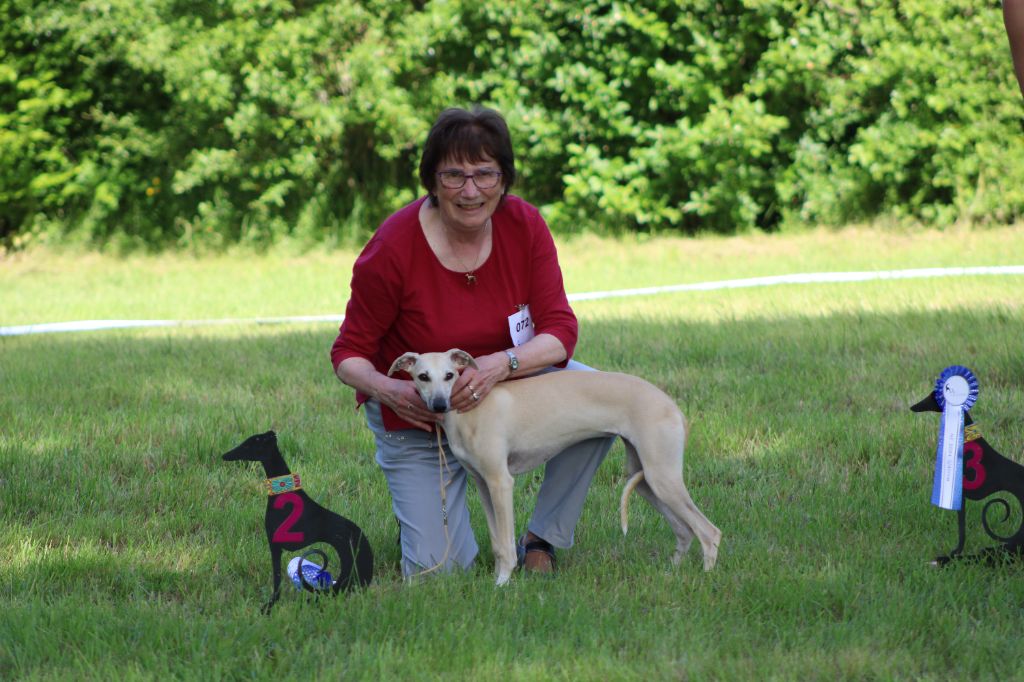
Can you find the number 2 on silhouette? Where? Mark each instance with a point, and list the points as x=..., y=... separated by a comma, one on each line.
x=284, y=532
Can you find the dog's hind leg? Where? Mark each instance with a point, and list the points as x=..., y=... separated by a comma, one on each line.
x=663, y=472
x=674, y=495
x=355, y=557
x=682, y=530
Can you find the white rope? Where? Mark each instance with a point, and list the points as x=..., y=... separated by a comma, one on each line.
x=806, y=278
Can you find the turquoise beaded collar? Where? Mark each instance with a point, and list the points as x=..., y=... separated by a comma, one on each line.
x=282, y=484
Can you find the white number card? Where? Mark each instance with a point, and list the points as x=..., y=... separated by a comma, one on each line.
x=520, y=324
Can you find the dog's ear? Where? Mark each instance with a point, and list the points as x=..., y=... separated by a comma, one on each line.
x=461, y=359
x=403, y=363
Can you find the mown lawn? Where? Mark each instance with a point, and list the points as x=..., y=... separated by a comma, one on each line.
x=133, y=551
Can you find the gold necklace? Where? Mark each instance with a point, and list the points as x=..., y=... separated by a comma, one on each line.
x=469, y=272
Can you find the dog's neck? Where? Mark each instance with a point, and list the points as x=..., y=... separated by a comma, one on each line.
x=274, y=465
x=452, y=433
x=280, y=478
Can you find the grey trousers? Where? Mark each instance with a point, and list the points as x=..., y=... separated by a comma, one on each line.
x=409, y=461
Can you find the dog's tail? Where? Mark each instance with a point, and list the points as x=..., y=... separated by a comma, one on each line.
x=631, y=484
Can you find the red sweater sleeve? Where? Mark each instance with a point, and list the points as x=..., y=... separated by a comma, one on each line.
x=374, y=303
x=549, y=305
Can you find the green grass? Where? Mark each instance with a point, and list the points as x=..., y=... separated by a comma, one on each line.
x=132, y=551
x=50, y=287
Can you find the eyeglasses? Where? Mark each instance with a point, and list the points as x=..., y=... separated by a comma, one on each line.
x=484, y=179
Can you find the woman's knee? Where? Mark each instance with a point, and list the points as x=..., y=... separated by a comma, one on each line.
x=426, y=548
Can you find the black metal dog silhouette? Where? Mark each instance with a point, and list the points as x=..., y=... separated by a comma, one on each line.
x=295, y=521
x=985, y=472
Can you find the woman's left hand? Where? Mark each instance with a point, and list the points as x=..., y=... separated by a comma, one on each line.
x=472, y=387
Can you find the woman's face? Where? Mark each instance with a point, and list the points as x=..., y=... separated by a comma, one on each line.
x=468, y=208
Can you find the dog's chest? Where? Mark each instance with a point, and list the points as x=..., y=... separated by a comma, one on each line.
x=522, y=452
x=457, y=443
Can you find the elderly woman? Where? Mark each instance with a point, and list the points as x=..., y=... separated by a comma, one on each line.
x=467, y=266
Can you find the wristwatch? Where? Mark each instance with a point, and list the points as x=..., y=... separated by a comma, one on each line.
x=513, y=362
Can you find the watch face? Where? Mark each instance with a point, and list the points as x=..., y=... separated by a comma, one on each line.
x=513, y=361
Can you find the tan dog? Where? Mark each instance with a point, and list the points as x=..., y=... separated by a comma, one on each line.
x=522, y=424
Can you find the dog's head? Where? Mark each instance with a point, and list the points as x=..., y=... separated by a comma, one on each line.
x=929, y=404
x=434, y=374
x=254, y=448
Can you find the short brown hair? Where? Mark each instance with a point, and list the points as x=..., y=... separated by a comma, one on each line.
x=467, y=136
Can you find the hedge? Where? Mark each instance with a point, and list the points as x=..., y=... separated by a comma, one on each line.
x=198, y=123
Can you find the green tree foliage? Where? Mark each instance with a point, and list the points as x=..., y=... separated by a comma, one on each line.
x=209, y=122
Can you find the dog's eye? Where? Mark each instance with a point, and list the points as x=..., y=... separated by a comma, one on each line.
x=423, y=376
x=448, y=376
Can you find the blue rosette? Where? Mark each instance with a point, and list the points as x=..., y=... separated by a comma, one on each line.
x=956, y=385
x=956, y=391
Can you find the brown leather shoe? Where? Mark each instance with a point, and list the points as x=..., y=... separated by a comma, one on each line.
x=535, y=554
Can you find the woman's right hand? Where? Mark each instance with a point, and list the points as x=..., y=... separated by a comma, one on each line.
x=403, y=398
x=400, y=395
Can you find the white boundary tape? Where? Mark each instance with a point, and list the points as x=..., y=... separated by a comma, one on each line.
x=96, y=325
x=807, y=278
x=802, y=278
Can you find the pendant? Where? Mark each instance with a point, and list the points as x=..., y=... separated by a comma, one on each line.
x=470, y=279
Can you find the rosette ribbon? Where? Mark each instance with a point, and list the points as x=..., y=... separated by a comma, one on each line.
x=956, y=392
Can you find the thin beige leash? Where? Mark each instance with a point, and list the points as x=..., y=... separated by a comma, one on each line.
x=442, y=467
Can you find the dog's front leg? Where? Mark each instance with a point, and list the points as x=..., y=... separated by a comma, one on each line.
x=483, y=454
x=487, y=504
x=503, y=543
x=275, y=561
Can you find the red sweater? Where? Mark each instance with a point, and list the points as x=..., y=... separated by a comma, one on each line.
x=404, y=300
